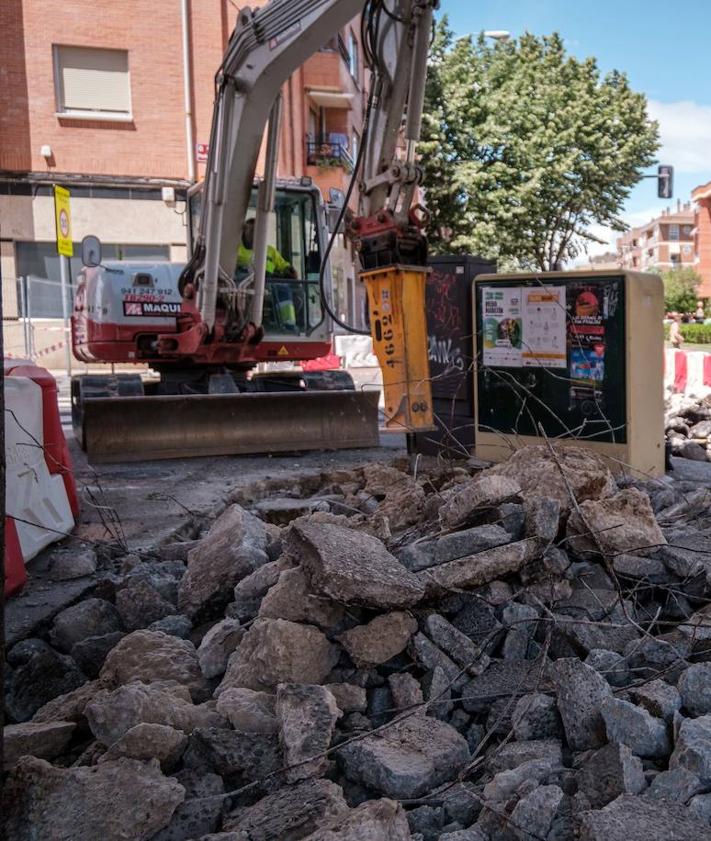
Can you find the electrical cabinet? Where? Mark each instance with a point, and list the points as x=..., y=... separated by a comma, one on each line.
x=576, y=357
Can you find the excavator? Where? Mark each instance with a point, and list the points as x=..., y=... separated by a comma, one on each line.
x=205, y=326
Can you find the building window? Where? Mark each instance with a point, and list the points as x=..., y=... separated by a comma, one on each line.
x=355, y=145
x=674, y=233
x=687, y=250
x=92, y=83
x=353, y=58
x=39, y=288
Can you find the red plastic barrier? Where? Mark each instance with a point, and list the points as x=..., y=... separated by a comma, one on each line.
x=15, y=575
x=707, y=369
x=680, y=371
x=56, y=451
x=331, y=362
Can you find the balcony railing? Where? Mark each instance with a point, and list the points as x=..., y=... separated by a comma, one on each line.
x=329, y=151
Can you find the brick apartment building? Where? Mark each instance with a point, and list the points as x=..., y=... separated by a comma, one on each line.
x=666, y=242
x=114, y=101
x=702, y=236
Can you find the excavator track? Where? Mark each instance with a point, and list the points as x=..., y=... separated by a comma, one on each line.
x=123, y=429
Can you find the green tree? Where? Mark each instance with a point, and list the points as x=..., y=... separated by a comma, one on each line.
x=525, y=147
x=681, y=287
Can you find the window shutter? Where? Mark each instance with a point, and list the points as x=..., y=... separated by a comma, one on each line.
x=93, y=80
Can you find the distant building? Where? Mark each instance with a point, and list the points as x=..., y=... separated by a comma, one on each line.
x=702, y=236
x=103, y=98
x=603, y=262
x=665, y=242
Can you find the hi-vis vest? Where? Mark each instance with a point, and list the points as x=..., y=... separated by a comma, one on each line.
x=276, y=264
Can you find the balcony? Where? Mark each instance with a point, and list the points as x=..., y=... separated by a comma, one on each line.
x=329, y=151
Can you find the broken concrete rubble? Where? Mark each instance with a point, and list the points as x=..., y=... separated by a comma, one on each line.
x=501, y=681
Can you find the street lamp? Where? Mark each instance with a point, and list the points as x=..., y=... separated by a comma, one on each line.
x=497, y=34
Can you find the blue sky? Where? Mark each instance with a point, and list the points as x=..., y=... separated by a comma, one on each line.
x=663, y=48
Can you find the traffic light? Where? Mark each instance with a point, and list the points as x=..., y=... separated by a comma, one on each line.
x=665, y=182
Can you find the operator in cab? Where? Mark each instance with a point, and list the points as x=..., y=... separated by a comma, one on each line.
x=277, y=267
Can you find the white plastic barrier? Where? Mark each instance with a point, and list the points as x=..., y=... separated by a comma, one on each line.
x=356, y=351
x=694, y=381
x=37, y=499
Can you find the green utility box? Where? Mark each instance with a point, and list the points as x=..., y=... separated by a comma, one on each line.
x=577, y=357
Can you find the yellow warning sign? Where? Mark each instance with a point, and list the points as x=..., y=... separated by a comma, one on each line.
x=282, y=351
x=63, y=219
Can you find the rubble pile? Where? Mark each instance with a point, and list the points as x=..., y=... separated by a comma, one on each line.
x=518, y=654
x=688, y=427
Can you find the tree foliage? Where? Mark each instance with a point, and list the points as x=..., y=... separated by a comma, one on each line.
x=681, y=288
x=525, y=147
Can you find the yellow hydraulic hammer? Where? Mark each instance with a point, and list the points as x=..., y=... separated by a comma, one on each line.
x=396, y=296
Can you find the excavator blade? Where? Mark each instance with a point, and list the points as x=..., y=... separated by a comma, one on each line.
x=119, y=429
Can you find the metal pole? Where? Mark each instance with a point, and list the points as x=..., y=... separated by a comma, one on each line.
x=187, y=88
x=2, y=554
x=64, y=263
x=23, y=314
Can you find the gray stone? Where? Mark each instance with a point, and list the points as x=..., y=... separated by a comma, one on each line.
x=461, y=803
x=437, y=690
x=307, y=716
x=406, y=691
x=111, y=714
x=89, y=654
x=408, y=759
x=612, y=632
x=622, y=523
x=234, y=547
x=426, y=821
x=248, y=756
x=691, y=450
x=542, y=518
x=535, y=716
x=151, y=656
x=581, y=692
x=139, y=605
x=175, y=625
x=572, y=469
x=352, y=567
x=513, y=754
x=375, y=820
x=249, y=711
x=88, y=618
x=484, y=491
x=695, y=689
x=250, y=591
x=201, y=810
x=700, y=806
x=469, y=542
x=113, y=801
x=510, y=516
x=477, y=570
x=631, y=818
x=291, y=598
x=639, y=567
x=652, y=655
x=72, y=563
x=556, y=560
x=609, y=772
x=611, y=665
x=533, y=816
x=429, y=657
x=38, y=674
x=149, y=741
x=281, y=511
x=521, y=620
x=679, y=784
x=693, y=748
x=217, y=645
x=380, y=640
x=503, y=679
x=70, y=706
x=418, y=555
x=275, y=651
x=474, y=833
x=290, y=814
x=506, y=783
x=455, y=644
x=349, y=697
x=43, y=740
x=477, y=620
x=658, y=697
x=633, y=726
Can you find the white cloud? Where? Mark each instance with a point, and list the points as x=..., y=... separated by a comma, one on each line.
x=685, y=130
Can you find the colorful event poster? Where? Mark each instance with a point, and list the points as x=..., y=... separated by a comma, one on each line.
x=544, y=328
x=502, y=326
